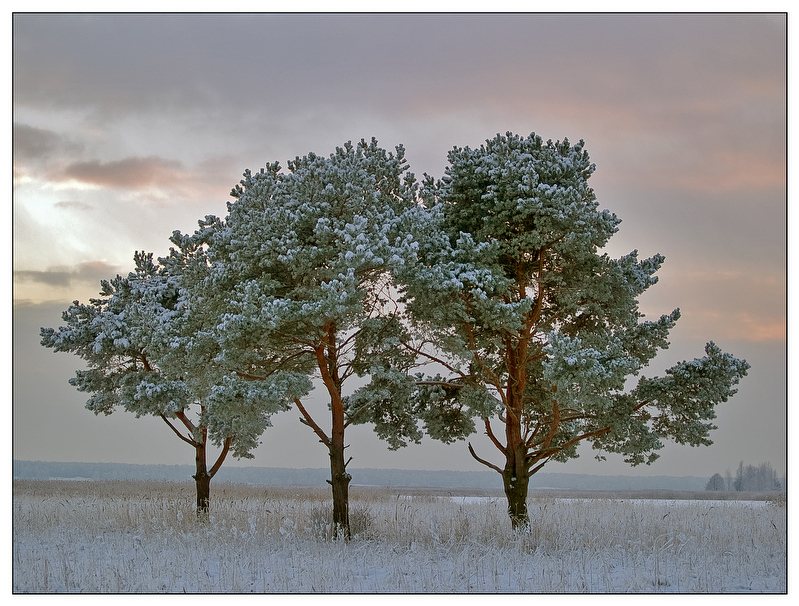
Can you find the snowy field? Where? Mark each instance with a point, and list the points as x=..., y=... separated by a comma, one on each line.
x=125, y=537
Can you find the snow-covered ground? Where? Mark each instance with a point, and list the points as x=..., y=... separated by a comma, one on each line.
x=143, y=537
x=673, y=502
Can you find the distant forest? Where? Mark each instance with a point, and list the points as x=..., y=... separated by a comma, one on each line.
x=485, y=480
x=749, y=478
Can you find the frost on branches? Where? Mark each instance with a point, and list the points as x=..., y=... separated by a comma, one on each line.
x=140, y=343
x=539, y=331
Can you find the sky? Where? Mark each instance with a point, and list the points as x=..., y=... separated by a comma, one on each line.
x=127, y=127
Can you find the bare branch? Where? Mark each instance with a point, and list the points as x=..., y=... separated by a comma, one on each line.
x=181, y=416
x=483, y=461
x=308, y=420
x=433, y=358
x=177, y=433
x=539, y=466
x=490, y=434
x=221, y=458
x=494, y=379
x=554, y=424
x=548, y=452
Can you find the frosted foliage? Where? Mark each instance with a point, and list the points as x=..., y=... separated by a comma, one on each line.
x=511, y=293
x=686, y=397
x=115, y=335
x=84, y=537
x=151, y=354
x=242, y=408
x=383, y=402
x=345, y=266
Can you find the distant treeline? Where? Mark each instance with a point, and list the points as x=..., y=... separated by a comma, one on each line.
x=281, y=476
x=749, y=478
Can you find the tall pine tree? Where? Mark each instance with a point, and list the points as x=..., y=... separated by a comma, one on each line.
x=145, y=352
x=535, y=330
x=300, y=276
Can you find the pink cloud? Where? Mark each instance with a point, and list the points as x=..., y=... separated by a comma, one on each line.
x=129, y=173
x=737, y=326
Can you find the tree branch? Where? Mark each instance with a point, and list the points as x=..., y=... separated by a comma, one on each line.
x=177, y=433
x=181, y=416
x=146, y=364
x=483, y=461
x=539, y=466
x=220, y=459
x=548, y=452
x=352, y=337
x=555, y=423
x=490, y=434
x=433, y=358
x=494, y=379
x=449, y=384
x=306, y=419
x=531, y=440
x=281, y=362
x=249, y=377
x=326, y=357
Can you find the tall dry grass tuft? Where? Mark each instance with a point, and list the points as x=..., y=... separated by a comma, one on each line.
x=128, y=537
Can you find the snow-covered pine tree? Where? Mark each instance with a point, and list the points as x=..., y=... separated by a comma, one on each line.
x=536, y=330
x=147, y=353
x=301, y=273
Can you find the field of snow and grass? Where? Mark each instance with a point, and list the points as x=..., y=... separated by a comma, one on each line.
x=127, y=536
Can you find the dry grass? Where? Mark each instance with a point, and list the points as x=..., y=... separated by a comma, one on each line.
x=122, y=536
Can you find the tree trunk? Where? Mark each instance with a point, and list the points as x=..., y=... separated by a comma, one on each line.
x=516, y=475
x=198, y=438
x=202, y=481
x=339, y=478
x=326, y=357
x=340, y=483
x=516, y=493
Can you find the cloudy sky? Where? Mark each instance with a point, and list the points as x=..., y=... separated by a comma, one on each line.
x=127, y=127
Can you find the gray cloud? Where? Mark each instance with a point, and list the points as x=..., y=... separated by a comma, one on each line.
x=400, y=62
x=254, y=82
x=91, y=271
x=37, y=144
x=73, y=204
